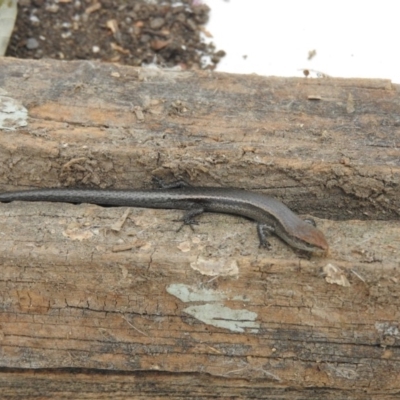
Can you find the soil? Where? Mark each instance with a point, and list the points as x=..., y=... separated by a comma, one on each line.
x=167, y=33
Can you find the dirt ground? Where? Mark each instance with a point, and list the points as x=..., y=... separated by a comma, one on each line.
x=167, y=33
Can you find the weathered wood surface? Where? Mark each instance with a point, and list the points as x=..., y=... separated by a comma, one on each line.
x=108, y=300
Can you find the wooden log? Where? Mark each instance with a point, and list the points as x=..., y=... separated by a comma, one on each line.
x=114, y=300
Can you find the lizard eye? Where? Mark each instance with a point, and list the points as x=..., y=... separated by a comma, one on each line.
x=310, y=221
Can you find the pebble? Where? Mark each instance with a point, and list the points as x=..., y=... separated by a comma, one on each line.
x=157, y=23
x=32, y=44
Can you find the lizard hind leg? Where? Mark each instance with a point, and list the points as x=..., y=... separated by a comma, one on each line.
x=189, y=217
x=159, y=183
x=264, y=231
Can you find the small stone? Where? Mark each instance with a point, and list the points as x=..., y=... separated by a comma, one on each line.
x=157, y=23
x=32, y=44
x=159, y=44
x=145, y=38
x=66, y=35
x=53, y=8
x=35, y=21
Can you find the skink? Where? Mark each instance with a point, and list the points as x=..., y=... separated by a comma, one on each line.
x=271, y=214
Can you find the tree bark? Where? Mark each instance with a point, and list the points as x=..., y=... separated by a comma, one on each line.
x=122, y=302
